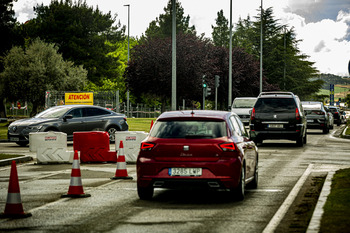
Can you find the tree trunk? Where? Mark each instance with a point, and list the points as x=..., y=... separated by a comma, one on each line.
x=2, y=108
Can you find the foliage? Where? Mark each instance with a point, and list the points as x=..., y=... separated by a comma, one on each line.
x=149, y=74
x=283, y=63
x=8, y=36
x=80, y=32
x=36, y=69
x=162, y=26
x=221, y=32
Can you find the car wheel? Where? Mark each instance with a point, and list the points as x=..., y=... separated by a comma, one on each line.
x=22, y=143
x=145, y=193
x=111, y=132
x=238, y=192
x=300, y=141
x=305, y=139
x=325, y=130
x=254, y=183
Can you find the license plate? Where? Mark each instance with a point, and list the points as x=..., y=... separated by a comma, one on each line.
x=180, y=171
x=14, y=139
x=310, y=121
x=275, y=126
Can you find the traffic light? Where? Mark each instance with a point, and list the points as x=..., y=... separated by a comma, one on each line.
x=217, y=81
x=207, y=91
x=204, y=83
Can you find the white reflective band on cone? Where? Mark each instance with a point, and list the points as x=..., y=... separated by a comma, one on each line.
x=121, y=165
x=121, y=151
x=13, y=198
x=76, y=163
x=75, y=181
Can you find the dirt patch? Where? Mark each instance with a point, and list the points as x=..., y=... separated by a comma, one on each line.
x=299, y=214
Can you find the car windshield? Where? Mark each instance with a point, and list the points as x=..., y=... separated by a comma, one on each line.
x=189, y=129
x=55, y=112
x=243, y=103
x=273, y=105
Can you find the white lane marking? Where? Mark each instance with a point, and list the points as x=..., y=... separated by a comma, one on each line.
x=277, y=218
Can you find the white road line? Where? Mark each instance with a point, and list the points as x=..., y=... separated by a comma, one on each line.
x=277, y=218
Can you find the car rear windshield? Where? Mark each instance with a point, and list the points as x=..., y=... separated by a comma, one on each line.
x=189, y=129
x=312, y=106
x=271, y=105
x=243, y=103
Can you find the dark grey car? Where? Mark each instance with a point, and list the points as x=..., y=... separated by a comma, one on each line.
x=317, y=116
x=68, y=119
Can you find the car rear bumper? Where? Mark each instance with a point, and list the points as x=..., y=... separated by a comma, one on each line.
x=223, y=173
x=262, y=135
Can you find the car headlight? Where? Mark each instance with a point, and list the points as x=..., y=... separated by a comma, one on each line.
x=37, y=128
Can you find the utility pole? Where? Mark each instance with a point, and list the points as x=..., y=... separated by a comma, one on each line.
x=173, y=79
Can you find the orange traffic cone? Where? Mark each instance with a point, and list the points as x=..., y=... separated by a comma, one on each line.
x=151, y=125
x=14, y=208
x=121, y=172
x=76, y=187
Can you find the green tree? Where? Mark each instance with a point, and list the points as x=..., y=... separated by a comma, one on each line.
x=7, y=25
x=221, y=32
x=80, y=32
x=29, y=73
x=148, y=73
x=162, y=26
x=283, y=63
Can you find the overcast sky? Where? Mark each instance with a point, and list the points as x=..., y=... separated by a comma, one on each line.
x=322, y=25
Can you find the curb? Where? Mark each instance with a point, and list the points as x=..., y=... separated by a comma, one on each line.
x=315, y=222
x=343, y=133
x=22, y=159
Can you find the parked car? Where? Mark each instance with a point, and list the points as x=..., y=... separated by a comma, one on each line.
x=337, y=114
x=278, y=115
x=68, y=119
x=208, y=149
x=242, y=106
x=317, y=116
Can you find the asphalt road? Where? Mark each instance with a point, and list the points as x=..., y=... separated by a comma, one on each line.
x=115, y=207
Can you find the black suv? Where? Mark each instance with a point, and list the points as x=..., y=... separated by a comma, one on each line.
x=278, y=115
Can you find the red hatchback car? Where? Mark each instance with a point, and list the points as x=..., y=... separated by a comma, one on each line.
x=208, y=149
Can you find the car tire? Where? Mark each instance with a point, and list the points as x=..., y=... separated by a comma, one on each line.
x=23, y=144
x=325, y=130
x=145, y=193
x=254, y=183
x=238, y=192
x=305, y=139
x=300, y=141
x=111, y=132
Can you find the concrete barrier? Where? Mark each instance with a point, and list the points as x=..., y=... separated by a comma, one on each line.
x=93, y=146
x=50, y=147
x=131, y=141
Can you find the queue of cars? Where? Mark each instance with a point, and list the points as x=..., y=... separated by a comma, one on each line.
x=198, y=148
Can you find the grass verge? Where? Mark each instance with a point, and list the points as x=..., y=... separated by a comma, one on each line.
x=337, y=208
x=8, y=156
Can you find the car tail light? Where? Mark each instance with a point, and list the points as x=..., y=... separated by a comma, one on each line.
x=146, y=146
x=297, y=114
x=228, y=146
x=252, y=116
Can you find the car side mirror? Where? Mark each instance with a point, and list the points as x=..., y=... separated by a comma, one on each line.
x=69, y=116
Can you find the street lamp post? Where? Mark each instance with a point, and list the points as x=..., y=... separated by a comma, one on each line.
x=127, y=94
x=173, y=79
x=230, y=63
x=128, y=5
x=261, y=45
